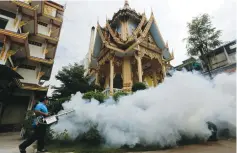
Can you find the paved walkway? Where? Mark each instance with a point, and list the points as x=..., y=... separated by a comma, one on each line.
x=9, y=143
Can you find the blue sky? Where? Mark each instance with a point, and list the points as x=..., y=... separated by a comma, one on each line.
x=171, y=16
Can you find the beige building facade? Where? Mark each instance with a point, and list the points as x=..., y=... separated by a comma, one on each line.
x=29, y=35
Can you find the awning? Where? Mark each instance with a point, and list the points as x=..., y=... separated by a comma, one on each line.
x=6, y=73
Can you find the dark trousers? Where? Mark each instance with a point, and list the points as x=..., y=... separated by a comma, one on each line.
x=39, y=133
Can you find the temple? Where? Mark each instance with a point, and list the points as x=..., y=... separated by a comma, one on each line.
x=29, y=35
x=128, y=49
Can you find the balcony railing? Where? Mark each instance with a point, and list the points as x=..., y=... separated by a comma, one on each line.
x=106, y=92
x=41, y=60
x=34, y=87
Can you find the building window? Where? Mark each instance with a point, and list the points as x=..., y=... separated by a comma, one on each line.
x=7, y=13
x=43, y=24
x=30, y=67
x=3, y=23
x=35, y=43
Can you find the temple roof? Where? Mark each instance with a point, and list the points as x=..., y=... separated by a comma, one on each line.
x=125, y=12
x=141, y=29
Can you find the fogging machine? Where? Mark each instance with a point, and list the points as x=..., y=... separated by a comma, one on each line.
x=52, y=119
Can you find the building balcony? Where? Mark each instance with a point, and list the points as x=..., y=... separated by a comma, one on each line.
x=36, y=87
x=52, y=11
x=48, y=31
x=8, y=40
x=31, y=78
x=51, y=40
x=24, y=4
x=41, y=60
x=14, y=36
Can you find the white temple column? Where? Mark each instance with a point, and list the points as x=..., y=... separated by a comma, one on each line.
x=111, y=65
x=139, y=66
x=139, y=56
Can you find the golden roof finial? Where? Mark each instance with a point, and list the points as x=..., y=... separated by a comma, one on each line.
x=126, y=4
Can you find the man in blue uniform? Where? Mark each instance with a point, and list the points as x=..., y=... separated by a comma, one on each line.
x=39, y=129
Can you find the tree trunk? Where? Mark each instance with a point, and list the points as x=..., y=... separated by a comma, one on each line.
x=206, y=63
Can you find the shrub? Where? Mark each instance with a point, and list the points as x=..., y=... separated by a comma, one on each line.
x=94, y=94
x=119, y=94
x=27, y=124
x=138, y=86
x=92, y=137
x=96, y=87
x=63, y=136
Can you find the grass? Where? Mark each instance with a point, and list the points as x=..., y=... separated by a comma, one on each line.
x=81, y=148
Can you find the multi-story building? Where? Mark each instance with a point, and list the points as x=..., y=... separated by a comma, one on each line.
x=189, y=64
x=222, y=59
x=29, y=34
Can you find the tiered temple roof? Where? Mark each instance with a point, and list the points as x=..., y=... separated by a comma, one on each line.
x=139, y=29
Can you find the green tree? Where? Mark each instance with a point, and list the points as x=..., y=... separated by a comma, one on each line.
x=202, y=38
x=73, y=80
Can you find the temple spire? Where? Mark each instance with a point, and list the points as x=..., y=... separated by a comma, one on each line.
x=126, y=4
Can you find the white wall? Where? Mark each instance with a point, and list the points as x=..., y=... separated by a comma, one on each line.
x=10, y=24
x=232, y=58
x=43, y=30
x=219, y=60
x=30, y=76
x=36, y=51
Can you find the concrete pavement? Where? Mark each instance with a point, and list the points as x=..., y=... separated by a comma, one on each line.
x=9, y=143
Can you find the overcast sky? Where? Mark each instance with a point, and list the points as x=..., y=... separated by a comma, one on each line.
x=171, y=16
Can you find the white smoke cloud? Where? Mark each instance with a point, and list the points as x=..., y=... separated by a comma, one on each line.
x=181, y=105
